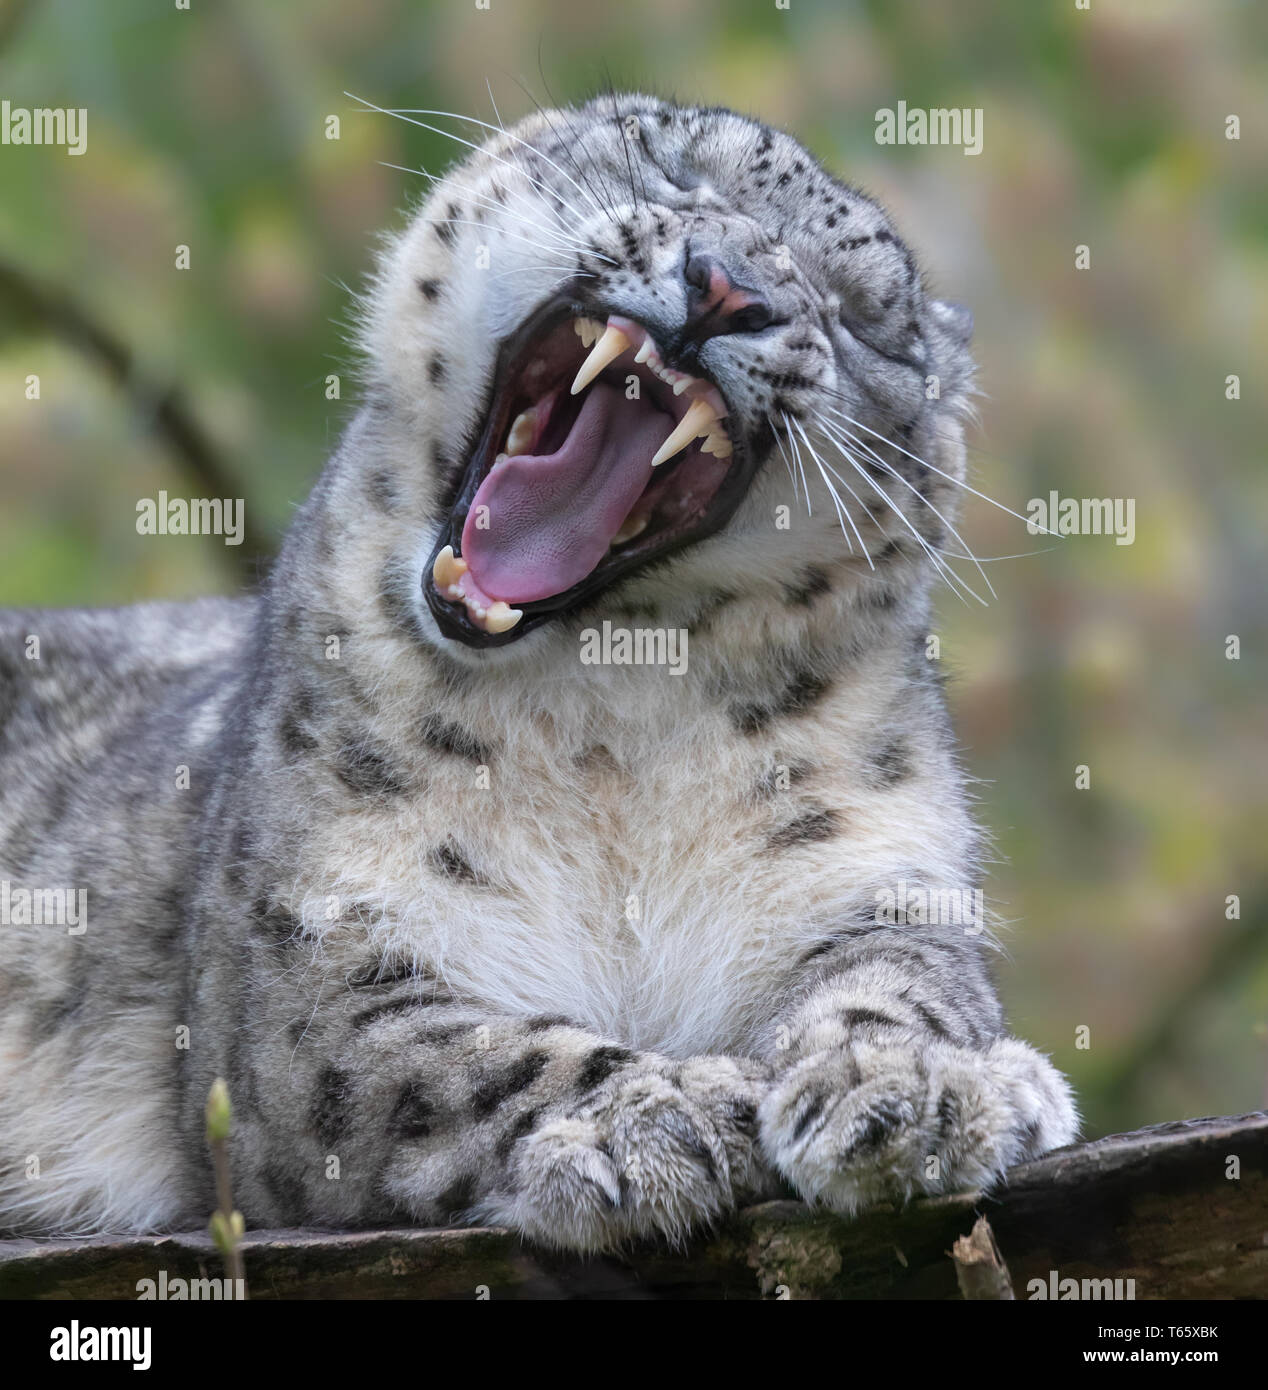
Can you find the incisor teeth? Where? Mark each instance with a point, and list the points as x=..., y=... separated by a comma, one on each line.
x=501, y=617
x=448, y=568
x=521, y=432
x=607, y=349
x=699, y=419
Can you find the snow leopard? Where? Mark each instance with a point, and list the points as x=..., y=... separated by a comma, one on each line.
x=486, y=911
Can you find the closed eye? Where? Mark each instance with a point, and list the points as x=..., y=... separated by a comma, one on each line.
x=853, y=328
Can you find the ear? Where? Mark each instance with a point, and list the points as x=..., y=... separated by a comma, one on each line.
x=955, y=319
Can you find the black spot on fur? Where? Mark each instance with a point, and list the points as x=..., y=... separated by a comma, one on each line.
x=441, y=1034
x=600, y=1064
x=296, y=740
x=886, y=1117
x=810, y=1114
x=365, y=1017
x=368, y=772
x=929, y=1018
x=712, y=605
x=396, y=601
x=858, y=1018
x=273, y=921
x=813, y=826
x=456, y=1198
x=436, y=369
x=890, y=764
x=801, y=692
x=497, y=1088
x=449, y=860
x=430, y=290
x=412, y=1114
x=949, y=1112
x=287, y=1194
x=388, y=970
x=451, y=738
x=524, y=1124
x=880, y=596
x=329, y=1117
x=380, y=486
x=547, y=1021
x=743, y=1115
x=598, y=760
x=446, y=232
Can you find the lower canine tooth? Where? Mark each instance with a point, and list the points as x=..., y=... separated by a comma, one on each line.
x=501, y=617
x=699, y=419
x=447, y=569
x=607, y=349
x=521, y=432
x=630, y=529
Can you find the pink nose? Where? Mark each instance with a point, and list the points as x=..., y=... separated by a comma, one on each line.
x=716, y=304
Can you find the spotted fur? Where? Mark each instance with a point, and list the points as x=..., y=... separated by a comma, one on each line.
x=495, y=935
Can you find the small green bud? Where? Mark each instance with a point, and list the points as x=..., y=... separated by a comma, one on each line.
x=221, y=1235
x=218, y=1111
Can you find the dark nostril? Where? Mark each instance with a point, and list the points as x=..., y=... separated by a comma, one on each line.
x=697, y=273
x=753, y=318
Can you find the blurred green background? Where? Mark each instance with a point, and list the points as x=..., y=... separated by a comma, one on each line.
x=1103, y=128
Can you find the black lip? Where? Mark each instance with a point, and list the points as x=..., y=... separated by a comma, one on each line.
x=451, y=616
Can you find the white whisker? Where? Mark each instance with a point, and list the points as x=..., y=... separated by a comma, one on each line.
x=959, y=482
x=843, y=512
x=889, y=468
x=449, y=135
x=792, y=477
x=501, y=231
x=792, y=444
x=939, y=564
x=473, y=120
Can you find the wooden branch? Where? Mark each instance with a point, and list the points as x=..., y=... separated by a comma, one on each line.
x=40, y=308
x=980, y=1270
x=1180, y=1208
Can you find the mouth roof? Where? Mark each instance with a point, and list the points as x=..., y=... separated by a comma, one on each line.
x=600, y=460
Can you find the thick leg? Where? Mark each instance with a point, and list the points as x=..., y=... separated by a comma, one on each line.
x=398, y=1106
x=894, y=1076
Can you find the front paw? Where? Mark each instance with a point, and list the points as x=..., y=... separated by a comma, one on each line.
x=661, y=1149
x=860, y=1124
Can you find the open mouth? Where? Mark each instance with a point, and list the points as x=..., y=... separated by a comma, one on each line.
x=596, y=457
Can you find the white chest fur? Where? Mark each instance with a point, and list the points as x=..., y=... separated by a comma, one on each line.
x=634, y=884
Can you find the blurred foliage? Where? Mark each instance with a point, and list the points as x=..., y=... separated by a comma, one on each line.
x=1103, y=128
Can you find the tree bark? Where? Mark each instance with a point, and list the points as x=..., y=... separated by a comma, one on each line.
x=1181, y=1209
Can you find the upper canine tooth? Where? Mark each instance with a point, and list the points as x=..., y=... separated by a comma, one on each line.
x=607, y=349
x=501, y=617
x=520, y=435
x=448, y=568
x=699, y=419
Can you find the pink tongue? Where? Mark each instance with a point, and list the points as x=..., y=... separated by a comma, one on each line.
x=551, y=517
